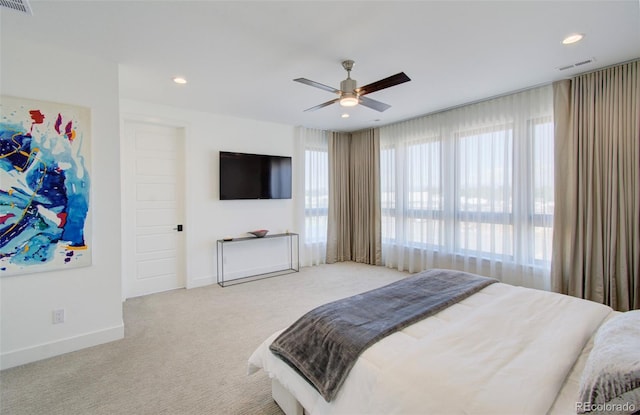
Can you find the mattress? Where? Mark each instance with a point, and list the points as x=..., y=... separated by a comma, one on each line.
x=504, y=350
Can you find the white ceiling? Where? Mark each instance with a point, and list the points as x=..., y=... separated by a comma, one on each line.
x=240, y=57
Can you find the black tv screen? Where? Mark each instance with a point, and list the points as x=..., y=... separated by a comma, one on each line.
x=254, y=176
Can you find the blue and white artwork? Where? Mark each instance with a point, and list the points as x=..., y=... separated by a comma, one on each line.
x=45, y=221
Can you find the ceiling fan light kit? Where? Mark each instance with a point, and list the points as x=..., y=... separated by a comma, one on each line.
x=349, y=99
x=349, y=95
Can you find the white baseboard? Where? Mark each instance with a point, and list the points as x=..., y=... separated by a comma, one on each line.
x=244, y=273
x=58, y=347
x=229, y=276
x=201, y=282
x=234, y=275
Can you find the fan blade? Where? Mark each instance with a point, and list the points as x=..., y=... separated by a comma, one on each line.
x=373, y=104
x=393, y=80
x=325, y=104
x=317, y=85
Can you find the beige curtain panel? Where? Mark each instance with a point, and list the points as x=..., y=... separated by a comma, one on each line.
x=339, y=216
x=353, y=232
x=596, y=243
x=366, y=239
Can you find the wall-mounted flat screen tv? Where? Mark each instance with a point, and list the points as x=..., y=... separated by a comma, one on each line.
x=254, y=176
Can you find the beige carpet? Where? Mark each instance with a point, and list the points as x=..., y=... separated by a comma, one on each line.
x=184, y=351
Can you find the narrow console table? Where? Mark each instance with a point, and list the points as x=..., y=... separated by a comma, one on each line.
x=292, y=266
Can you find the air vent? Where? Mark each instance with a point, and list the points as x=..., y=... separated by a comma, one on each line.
x=577, y=64
x=583, y=62
x=18, y=5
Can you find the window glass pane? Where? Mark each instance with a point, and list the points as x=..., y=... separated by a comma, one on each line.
x=544, y=170
x=543, y=159
x=423, y=165
x=388, y=193
x=477, y=238
x=316, y=198
x=387, y=185
x=484, y=198
x=485, y=172
x=425, y=193
x=425, y=232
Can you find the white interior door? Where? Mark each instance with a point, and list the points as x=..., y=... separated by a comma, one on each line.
x=153, y=180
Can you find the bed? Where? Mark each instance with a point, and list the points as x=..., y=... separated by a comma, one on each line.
x=501, y=350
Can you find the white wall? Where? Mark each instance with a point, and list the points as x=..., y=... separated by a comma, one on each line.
x=91, y=295
x=207, y=217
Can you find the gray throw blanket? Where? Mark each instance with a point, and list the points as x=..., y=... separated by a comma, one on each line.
x=324, y=344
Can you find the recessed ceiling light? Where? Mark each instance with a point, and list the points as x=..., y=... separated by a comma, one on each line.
x=576, y=37
x=345, y=115
x=179, y=80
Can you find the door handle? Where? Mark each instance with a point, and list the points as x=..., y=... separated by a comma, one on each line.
x=178, y=228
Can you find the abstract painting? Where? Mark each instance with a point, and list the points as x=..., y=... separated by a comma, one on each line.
x=45, y=156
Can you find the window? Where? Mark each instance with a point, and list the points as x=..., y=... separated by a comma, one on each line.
x=472, y=189
x=316, y=195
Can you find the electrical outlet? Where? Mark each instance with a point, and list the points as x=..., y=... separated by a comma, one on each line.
x=58, y=316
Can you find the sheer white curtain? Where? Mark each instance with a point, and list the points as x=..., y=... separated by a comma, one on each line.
x=313, y=154
x=472, y=189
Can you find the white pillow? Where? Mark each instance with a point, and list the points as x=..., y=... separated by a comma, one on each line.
x=610, y=381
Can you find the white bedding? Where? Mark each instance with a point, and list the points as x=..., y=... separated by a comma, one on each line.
x=504, y=350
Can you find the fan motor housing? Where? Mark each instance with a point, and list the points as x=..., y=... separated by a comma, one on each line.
x=348, y=85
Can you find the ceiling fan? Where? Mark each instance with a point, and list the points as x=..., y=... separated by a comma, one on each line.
x=349, y=95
